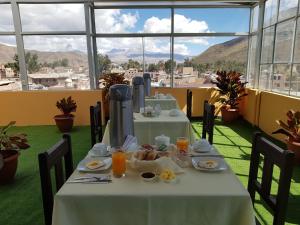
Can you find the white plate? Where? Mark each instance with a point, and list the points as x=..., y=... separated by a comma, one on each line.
x=221, y=164
x=82, y=168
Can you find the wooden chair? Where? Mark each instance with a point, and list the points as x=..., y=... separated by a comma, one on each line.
x=208, y=121
x=272, y=155
x=189, y=98
x=96, y=123
x=53, y=158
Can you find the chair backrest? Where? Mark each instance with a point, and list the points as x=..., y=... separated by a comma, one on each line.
x=189, y=98
x=208, y=121
x=54, y=158
x=96, y=123
x=272, y=155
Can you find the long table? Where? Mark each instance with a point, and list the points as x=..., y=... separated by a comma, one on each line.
x=147, y=128
x=198, y=198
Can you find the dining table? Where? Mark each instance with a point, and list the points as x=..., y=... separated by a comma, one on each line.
x=166, y=103
x=147, y=128
x=195, y=198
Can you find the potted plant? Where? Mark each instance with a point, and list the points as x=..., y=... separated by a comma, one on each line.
x=106, y=82
x=292, y=131
x=230, y=92
x=10, y=145
x=65, y=121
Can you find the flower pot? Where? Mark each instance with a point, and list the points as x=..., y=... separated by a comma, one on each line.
x=8, y=171
x=64, y=122
x=294, y=147
x=229, y=115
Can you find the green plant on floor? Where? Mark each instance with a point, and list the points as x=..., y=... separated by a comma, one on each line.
x=66, y=105
x=230, y=87
x=292, y=128
x=111, y=79
x=12, y=141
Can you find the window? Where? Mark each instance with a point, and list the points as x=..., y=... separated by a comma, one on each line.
x=270, y=16
x=251, y=59
x=295, y=80
x=284, y=40
x=209, y=20
x=133, y=20
x=56, y=62
x=265, y=77
x=52, y=17
x=6, y=18
x=267, y=45
x=281, y=78
x=297, y=44
x=287, y=9
x=254, y=23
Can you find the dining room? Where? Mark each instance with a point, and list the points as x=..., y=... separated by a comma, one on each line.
x=149, y=112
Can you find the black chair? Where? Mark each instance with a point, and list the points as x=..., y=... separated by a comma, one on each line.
x=189, y=98
x=272, y=155
x=54, y=158
x=208, y=121
x=96, y=123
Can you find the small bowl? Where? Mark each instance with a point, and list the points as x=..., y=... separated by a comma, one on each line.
x=148, y=176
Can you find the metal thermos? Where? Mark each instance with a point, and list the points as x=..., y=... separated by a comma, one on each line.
x=147, y=83
x=121, y=115
x=138, y=94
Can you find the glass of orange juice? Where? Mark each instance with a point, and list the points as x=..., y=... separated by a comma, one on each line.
x=118, y=162
x=182, y=144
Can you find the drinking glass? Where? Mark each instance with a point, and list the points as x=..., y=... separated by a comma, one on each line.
x=182, y=144
x=118, y=162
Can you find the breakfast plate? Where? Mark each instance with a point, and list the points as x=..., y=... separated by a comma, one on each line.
x=91, y=165
x=211, y=164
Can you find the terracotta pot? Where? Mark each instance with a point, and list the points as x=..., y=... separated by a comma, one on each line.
x=294, y=147
x=229, y=115
x=8, y=171
x=64, y=122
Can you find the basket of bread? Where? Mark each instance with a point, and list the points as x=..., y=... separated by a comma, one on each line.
x=147, y=158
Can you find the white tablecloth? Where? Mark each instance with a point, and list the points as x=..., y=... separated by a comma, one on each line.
x=165, y=104
x=147, y=128
x=198, y=198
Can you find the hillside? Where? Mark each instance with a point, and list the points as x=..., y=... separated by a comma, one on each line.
x=75, y=59
x=233, y=50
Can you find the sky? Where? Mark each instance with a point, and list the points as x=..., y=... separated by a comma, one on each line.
x=71, y=18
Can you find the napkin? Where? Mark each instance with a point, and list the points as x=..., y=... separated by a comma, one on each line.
x=129, y=142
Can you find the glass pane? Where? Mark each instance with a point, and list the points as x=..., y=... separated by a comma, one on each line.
x=211, y=20
x=267, y=45
x=255, y=12
x=197, y=59
x=56, y=62
x=295, y=82
x=287, y=9
x=133, y=20
x=265, y=77
x=121, y=55
x=9, y=66
x=284, y=39
x=6, y=18
x=52, y=17
x=270, y=12
x=252, y=57
x=158, y=61
x=297, y=44
x=281, y=78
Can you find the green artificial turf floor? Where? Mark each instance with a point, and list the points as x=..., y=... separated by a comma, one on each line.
x=21, y=203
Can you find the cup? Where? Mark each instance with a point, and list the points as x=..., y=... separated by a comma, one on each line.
x=182, y=144
x=100, y=149
x=118, y=162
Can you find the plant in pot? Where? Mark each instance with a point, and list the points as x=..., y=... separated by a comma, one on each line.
x=230, y=90
x=10, y=145
x=65, y=121
x=107, y=81
x=291, y=130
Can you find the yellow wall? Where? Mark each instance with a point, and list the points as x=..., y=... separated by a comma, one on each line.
x=38, y=107
x=260, y=108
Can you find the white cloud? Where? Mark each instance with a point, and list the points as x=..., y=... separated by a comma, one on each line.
x=6, y=19
x=187, y=25
x=156, y=25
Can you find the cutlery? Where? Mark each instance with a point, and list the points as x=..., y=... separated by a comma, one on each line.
x=206, y=155
x=90, y=181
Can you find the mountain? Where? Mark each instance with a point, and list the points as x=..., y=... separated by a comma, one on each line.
x=75, y=58
x=233, y=50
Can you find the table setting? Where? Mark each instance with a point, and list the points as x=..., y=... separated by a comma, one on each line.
x=166, y=101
